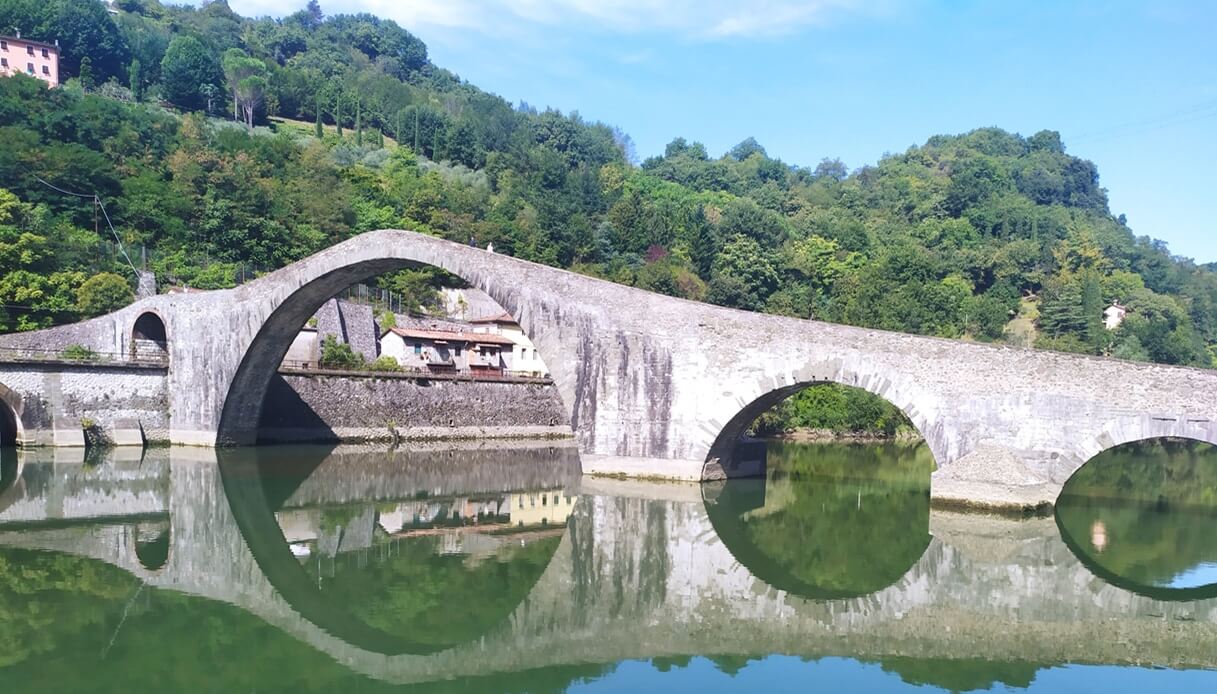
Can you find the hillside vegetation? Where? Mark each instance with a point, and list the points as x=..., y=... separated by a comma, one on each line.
x=167, y=119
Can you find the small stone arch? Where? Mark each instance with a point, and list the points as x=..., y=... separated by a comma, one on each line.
x=12, y=432
x=149, y=337
x=1129, y=429
x=763, y=394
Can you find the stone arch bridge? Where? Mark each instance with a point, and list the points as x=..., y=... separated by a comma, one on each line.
x=654, y=385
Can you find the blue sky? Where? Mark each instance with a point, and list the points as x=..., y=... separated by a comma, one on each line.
x=1131, y=86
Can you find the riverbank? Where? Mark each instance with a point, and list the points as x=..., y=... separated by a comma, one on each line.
x=814, y=435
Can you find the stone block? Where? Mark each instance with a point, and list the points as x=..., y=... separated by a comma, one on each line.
x=67, y=431
x=127, y=432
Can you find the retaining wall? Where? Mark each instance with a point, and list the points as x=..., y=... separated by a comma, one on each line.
x=327, y=407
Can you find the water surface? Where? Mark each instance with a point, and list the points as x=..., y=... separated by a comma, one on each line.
x=498, y=568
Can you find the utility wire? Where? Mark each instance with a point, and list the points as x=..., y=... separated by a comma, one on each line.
x=1187, y=114
x=96, y=201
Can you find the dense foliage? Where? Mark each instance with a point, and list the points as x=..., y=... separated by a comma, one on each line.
x=953, y=238
x=834, y=408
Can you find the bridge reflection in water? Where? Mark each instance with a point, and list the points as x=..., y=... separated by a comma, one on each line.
x=329, y=569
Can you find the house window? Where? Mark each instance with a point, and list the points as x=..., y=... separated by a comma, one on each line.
x=3, y=45
x=45, y=54
x=46, y=70
x=3, y=62
x=29, y=50
x=418, y=348
x=29, y=67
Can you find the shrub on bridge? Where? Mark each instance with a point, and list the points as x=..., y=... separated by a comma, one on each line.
x=78, y=353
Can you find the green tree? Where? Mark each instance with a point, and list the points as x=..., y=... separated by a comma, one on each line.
x=187, y=70
x=84, y=29
x=136, y=82
x=86, y=73
x=103, y=293
x=339, y=355
x=744, y=217
x=746, y=149
x=743, y=275
x=246, y=78
x=1061, y=311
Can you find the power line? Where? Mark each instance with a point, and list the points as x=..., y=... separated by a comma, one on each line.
x=96, y=201
x=1188, y=114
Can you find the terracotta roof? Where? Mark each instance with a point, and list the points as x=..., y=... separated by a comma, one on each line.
x=501, y=318
x=450, y=336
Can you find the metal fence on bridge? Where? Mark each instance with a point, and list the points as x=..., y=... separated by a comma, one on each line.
x=78, y=355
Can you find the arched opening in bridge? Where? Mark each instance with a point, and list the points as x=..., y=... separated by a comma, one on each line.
x=10, y=423
x=840, y=507
x=1140, y=516
x=816, y=412
x=408, y=350
x=149, y=339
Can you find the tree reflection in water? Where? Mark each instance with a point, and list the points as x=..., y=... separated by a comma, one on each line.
x=830, y=520
x=441, y=598
x=1141, y=516
x=368, y=572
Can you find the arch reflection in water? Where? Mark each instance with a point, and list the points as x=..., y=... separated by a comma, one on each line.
x=402, y=551
x=152, y=544
x=9, y=472
x=829, y=521
x=1141, y=517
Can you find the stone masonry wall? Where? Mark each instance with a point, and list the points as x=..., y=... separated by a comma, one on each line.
x=321, y=407
x=62, y=396
x=351, y=323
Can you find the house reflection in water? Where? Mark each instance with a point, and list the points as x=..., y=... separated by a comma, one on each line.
x=465, y=525
x=551, y=507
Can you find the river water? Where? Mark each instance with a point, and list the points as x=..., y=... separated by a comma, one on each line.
x=497, y=567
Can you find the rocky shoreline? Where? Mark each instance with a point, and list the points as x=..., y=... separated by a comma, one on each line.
x=804, y=435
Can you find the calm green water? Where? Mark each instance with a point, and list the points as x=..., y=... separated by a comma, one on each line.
x=501, y=569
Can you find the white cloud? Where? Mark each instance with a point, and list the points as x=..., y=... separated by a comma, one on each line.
x=699, y=19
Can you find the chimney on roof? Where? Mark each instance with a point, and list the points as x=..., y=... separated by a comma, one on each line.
x=17, y=32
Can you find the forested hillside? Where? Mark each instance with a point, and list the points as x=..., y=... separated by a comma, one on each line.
x=175, y=118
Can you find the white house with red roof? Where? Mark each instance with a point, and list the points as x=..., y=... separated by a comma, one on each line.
x=523, y=358
x=446, y=351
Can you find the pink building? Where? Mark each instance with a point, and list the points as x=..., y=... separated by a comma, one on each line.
x=33, y=58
